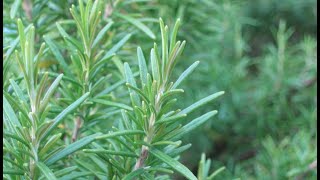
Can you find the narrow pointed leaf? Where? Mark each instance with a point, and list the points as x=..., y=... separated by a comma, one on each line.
x=65, y=171
x=174, y=34
x=46, y=171
x=142, y=66
x=172, y=118
x=155, y=66
x=55, y=51
x=8, y=111
x=134, y=174
x=50, y=92
x=75, y=175
x=14, y=136
x=201, y=102
x=138, y=24
x=72, y=148
x=116, y=47
x=65, y=112
x=185, y=74
x=215, y=173
x=112, y=103
x=17, y=90
x=193, y=124
x=14, y=8
x=68, y=38
x=120, y=133
x=102, y=33
x=111, y=88
x=176, y=165
x=132, y=82
x=103, y=151
x=13, y=172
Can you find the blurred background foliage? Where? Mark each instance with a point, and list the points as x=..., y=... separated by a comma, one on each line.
x=261, y=53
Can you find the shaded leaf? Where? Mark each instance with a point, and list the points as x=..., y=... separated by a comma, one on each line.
x=138, y=24
x=176, y=165
x=201, y=102
x=72, y=148
x=46, y=171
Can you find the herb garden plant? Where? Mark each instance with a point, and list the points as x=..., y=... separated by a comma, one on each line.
x=88, y=115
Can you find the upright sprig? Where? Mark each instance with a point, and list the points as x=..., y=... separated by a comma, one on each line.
x=204, y=169
x=149, y=135
x=32, y=145
x=89, y=59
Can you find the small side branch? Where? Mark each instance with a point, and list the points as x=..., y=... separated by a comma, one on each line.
x=142, y=158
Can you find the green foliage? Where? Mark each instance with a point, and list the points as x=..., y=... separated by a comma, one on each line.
x=144, y=142
x=267, y=69
x=88, y=103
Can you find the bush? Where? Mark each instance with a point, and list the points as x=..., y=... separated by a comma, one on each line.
x=262, y=54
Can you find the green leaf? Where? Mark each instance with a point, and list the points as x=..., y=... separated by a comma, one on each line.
x=46, y=171
x=170, y=93
x=65, y=171
x=215, y=173
x=120, y=133
x=12, y=162
x=116, y=47
x=134, y=174
x=193, y=124
x=103, y=151
x=172, y=118
x=173, y=163
x=50, y=92
x=49, y=145
x=8, y=111
x=14, y=8
x=14, y=136
x=144, y=97
x=132, y=82
x=100, y=63
x=17, y=90
x=155, y=66
x=72, y=148
x=142, y=66
x=159, y=169
x=138, y=24
x=166, y=143
x=75, y=175
x=178, y=151
x=64, y=113
x=52, y=74
x=12, y=171
x=90, y=167
x=112, y=103
x=22, y=35
x=185, y=74
x=55, y=51
x=14, y=44
x=101, y=34
x=164, y=42
x=37, y=60
x=174, y=34
x=111, y=88
x=68, y=38
x=201, y=102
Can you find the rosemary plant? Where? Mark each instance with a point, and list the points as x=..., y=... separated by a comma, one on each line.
x=148, y=137
x=88, y=71
x=32, y=143
x=91, y=105
x=144, y=143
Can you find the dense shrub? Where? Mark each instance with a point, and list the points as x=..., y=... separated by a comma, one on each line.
x=261, y=53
